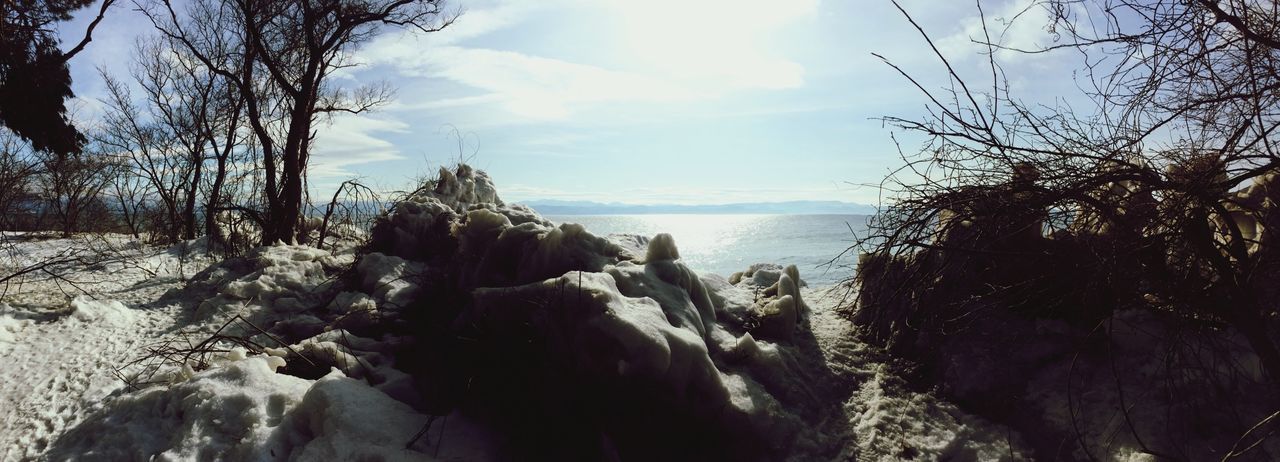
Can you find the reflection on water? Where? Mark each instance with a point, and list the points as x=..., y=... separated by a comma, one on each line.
x=724, y=244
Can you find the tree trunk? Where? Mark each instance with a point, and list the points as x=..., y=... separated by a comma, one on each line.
x=290, y=193
x=212, y=202
x=189, y=211
x=173, y=229
x=285, y=218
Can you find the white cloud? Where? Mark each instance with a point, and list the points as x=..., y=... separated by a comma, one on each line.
x=543, y=88
x=478, y=18
x=350, y=140
x=673, y=51
x=1017, y=25
x=530, y=86
x=481, y=21
x=714, y=42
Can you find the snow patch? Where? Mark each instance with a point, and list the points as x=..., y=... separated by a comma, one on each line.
x=246, y=411
x=106, y=312
x=894, y=424
x=232, y=412
x=345, y=419
x=10, y=326
x=282, y=270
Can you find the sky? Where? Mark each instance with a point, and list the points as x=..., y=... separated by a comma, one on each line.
x=655, y=101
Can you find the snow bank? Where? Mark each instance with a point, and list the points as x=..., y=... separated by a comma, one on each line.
x=235, y=412
x=894, y=424
x=390, y=278
x=246, y=411
x=281, y=270
x=106, y=312
x=344, y=419
x=277, y=281
x=10, y=325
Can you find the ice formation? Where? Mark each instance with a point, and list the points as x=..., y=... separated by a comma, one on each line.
x=766, y=274
x=619, y=316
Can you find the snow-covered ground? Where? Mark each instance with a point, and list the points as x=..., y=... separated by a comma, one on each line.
x=60, y=376
x=64, y=332
x=71, y=386
x=286, y=354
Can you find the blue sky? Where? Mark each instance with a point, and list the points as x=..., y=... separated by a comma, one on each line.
x=656, y=101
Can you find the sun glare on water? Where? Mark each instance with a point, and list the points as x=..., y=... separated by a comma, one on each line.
x=724, y=244
x=703, y=234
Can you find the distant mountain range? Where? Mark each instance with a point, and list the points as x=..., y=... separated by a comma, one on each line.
x=562, y=207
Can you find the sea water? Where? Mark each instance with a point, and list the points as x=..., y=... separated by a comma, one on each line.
x=724, y=244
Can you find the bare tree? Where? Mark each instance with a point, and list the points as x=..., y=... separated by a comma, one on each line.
x=129, y=189
x=155, y=150
x=70, y=185
x=180, y=97
x=279, y=55
x=1162, y=197
x=223, y=129
x=18, y=169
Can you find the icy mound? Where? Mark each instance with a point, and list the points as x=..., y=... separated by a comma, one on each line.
x=420, y=226
x=493, y=252
x=389, y=278
x=464, y=187
x=564, y=339
x=632, y=346
x=622, y=320
x=106, y=312
x=280, y=280
x=766, y=274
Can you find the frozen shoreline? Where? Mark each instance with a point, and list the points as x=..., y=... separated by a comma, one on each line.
x=83, y=398
x=769, y=362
